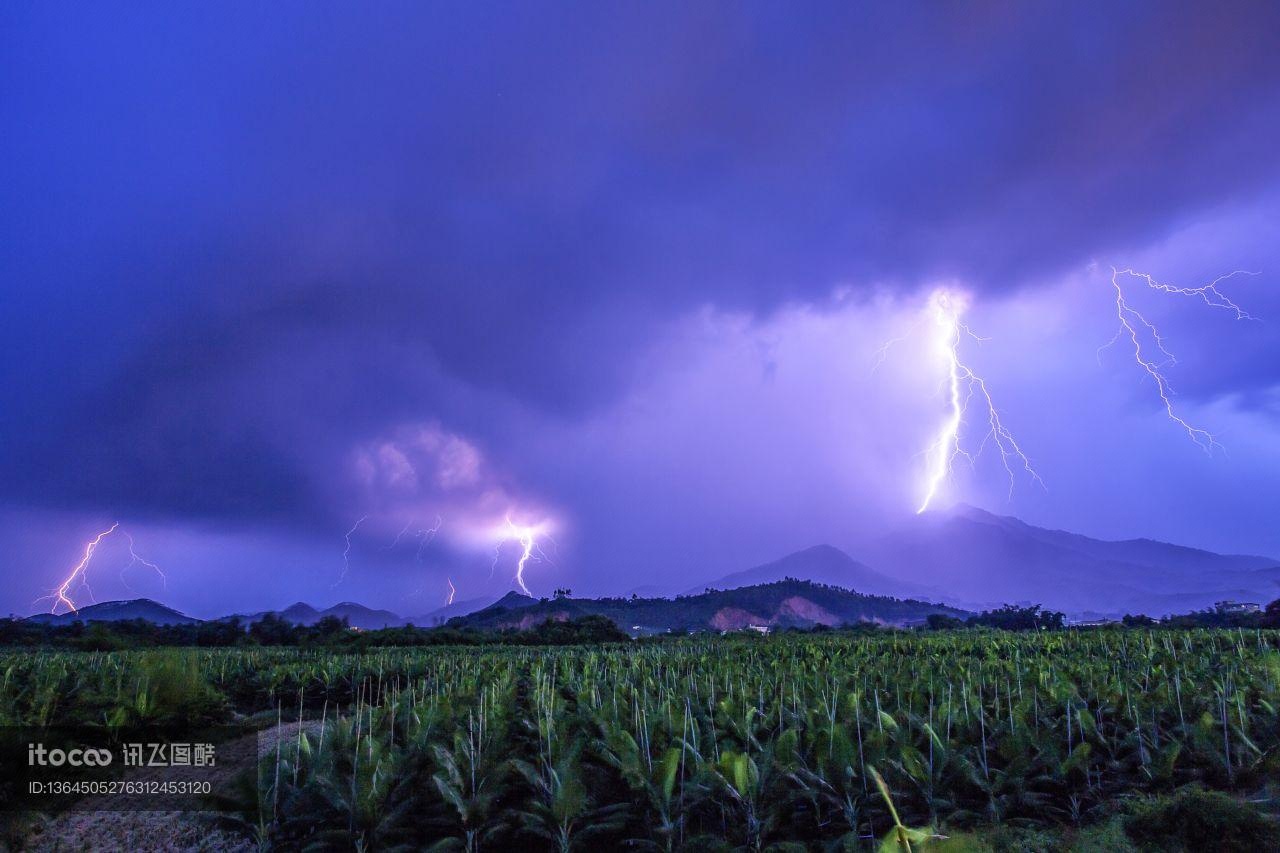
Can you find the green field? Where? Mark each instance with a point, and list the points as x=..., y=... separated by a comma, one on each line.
x=1016, y=741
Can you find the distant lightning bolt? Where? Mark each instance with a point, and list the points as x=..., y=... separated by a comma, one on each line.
x=963, y=385
x=452, y=591
x=136, y=559
x=427, y=536
x=63, y=593
x=1133, y=324
x=399, y=536
x=882, y=352
x=346, y=552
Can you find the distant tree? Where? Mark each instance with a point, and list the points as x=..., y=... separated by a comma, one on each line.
x=271, y=630
x=942, y=622
x=1011, y=617
x=585, y=629
x=224, y=632
x=1271, y=615
x=1139, y=621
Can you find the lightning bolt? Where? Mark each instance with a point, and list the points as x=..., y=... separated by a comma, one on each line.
x=136, y=559
x=427, y=536
x=963, y=386
x=1135, y=326
x=882, y=352
x=346, y=552
x=527, y=536
x=453, y=591
x=399, y=536
x=62, y=595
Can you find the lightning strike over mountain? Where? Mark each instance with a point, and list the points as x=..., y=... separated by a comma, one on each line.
x=62, y=595
x=453, y=591
x=527, y=536
x=346, y=552
x=963, y=385
x=1136, y=326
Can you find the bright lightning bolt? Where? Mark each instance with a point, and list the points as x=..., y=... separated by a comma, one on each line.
x=346, y=552
x=63, y=593
x=527, y=536
x=1133, y=325
x=526, y=543
x=453, y=591
x=963, y=385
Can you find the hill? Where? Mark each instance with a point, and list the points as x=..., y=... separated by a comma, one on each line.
x=979, y=559
x=118, y=611
x=783, y=603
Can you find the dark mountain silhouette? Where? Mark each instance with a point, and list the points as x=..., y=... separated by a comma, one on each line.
x=357, y=615
x=444, y=614
x=300, y=614
x=365, y=618
x=784, y=603
x=979, y=559
x=821, y=564
x=118, y=611
x=511, y=601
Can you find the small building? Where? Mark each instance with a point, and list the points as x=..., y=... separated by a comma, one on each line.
x=1237, y=607
x=759, y=629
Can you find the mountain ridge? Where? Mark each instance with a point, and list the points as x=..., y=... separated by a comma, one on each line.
x=978, y=559
x=786, y=603
x=118, y=611
x=821, y=564
x=964, y=557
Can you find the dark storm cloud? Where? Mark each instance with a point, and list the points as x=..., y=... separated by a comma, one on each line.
x=242, y=239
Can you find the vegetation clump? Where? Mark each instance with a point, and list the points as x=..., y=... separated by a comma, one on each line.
x=1194, y=819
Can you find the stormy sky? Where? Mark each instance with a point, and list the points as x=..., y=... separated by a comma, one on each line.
x=619, y=272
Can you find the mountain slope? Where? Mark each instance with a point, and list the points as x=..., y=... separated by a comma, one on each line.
x=118, y=611
x=789, y=603
x=364, y=618
x=444, y=614
x=981, y=559
x=822, y=564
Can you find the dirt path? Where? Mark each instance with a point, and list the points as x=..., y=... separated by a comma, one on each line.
x=87, y=826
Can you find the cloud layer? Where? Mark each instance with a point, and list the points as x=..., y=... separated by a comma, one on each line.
x=270, y=271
